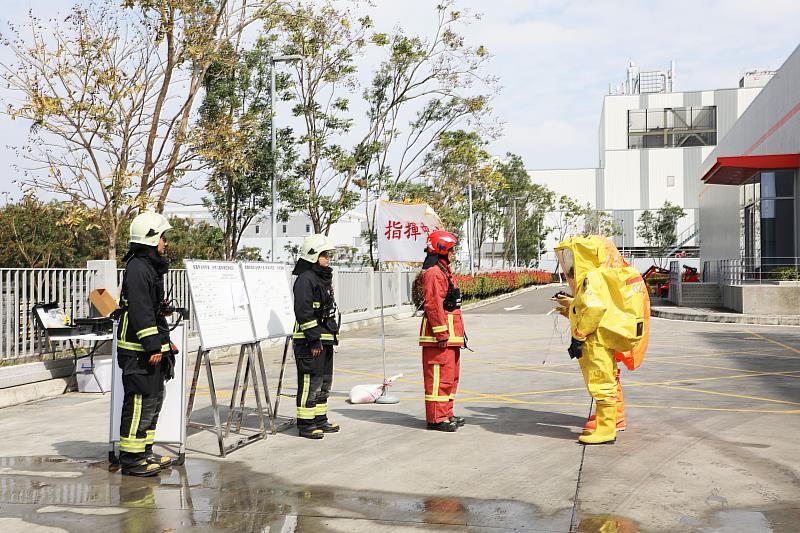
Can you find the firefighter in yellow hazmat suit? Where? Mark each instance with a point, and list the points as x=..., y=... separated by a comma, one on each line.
x=608, y=316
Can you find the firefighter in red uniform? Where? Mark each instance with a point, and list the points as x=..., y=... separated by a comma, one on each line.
x=442, y=333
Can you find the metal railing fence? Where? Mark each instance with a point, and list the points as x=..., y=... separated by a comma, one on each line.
x=757, y=271
x=357, y=293
x=21, y=288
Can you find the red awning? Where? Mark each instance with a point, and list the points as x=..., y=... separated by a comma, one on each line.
x=737, y=170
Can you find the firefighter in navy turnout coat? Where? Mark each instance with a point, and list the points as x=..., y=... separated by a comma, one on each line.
x=144, y=351
x=315, y=334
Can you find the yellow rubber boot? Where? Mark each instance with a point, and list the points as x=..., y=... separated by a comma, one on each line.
x=606, y=432
x=591, y=425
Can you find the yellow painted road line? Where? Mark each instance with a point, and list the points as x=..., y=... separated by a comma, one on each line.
x=693, y=355
x=711, y=378
x=546, y=369
x=728, y=394
x=773, y=341
x=637, y=384
x=716, y=367
x=550, y=391
x=725, y=409
x=629, y=405
x=460, y=390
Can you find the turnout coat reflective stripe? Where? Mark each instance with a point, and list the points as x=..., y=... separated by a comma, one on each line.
x=437, y=323
x=142, y=328
x=314, y=296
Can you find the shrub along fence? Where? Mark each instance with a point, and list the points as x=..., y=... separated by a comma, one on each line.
x=490, y=284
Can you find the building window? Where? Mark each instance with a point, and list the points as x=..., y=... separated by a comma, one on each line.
x=672, y=127
x=768, y=220
x=284, y=229
x=308, y=228
x=257, y=229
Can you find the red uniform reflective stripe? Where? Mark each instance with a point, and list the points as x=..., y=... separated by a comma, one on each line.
x=437, y=323
x=441, y=370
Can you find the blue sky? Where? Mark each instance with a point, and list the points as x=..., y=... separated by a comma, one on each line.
x=556, y=58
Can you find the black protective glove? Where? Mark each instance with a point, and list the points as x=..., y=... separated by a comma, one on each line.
x=575, y=349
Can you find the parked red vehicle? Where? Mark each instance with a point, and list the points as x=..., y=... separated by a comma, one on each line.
x=657, y=279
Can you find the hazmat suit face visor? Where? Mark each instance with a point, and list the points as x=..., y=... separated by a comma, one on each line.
x=566, y=261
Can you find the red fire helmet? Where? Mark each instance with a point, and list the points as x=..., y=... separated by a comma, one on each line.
x=441, y=241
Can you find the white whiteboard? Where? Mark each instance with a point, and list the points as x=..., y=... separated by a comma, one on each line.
x=270, y=296
x=171, y=424
x=219, y=303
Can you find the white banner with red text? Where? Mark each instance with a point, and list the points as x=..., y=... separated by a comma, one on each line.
x=403, y=230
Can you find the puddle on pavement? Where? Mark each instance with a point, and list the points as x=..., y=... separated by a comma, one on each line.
x=209, y=495
x=607, y=524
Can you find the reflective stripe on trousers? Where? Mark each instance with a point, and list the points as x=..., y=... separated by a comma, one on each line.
x=441, y=368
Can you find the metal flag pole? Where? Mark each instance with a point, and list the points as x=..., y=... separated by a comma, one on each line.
x=385, y=397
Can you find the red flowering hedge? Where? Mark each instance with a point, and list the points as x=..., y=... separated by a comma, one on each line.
x=486, y=285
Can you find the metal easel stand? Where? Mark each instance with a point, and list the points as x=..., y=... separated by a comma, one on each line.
x=248, y=352
x=286, y=422
x=385, y=397
x=244, y=440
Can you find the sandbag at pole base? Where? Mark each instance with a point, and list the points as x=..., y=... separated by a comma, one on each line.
x=386, y=398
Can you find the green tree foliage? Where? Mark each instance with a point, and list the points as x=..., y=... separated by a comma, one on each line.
x=437, y=80
x=249, y=253
x=330, y=39
x=109, y=92
x=601, y=223
x=233, y=137
x=193, y=240
x=568, y=217
x=458, y=159
x=659, y=230
x=293, y=250
x=34, y=234
x=532, y=202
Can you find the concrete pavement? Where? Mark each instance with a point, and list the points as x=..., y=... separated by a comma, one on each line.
x=702, y=314
x=711, y=445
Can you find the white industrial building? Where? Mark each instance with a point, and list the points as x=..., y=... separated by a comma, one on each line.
x=748, y=198
x=652, y=144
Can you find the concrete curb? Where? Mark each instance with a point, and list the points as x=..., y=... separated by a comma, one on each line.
x=697, y=315
x=32, y=391
x=23, y=374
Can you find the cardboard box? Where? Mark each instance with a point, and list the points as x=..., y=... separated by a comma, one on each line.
x=103, y=302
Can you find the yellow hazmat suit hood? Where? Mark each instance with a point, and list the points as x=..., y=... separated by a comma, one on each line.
x=610, y=297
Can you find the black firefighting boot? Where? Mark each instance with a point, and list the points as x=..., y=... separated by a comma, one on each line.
x=321, y=421
x=311, y=432
x=155, y=459
x=329, y=427
x=446, y=426
x=458, y=420
x=136, y=464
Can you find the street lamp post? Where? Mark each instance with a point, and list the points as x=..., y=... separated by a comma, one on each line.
x=516, y=264
x=469, y=232
x=514, y=225
x=273, y=140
